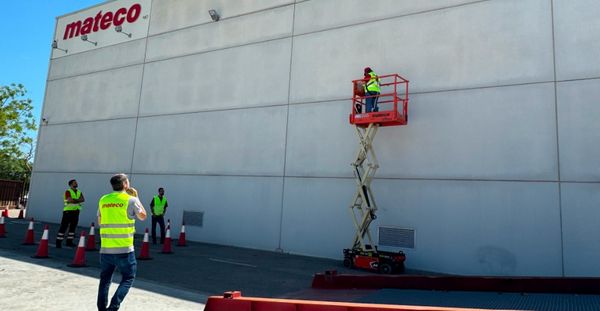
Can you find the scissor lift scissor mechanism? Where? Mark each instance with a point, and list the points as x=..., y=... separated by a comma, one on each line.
x=393, y=111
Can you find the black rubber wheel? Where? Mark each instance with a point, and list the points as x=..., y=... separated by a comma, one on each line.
x=385, y=268
x=348, y=263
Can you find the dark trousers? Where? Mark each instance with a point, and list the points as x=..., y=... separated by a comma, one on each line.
x=161, y=222
x=372, y=101
x=127, y=265
x=70, y=220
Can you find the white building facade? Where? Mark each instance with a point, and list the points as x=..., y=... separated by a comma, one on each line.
x=244, y=121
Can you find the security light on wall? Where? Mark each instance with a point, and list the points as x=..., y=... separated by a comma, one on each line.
x=214, y=15
x=55, y=46
x=85, y=38
x=119, y=29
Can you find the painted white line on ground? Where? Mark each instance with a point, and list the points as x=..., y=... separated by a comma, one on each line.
x=232, y=262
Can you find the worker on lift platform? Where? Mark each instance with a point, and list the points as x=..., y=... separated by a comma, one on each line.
x=372, y=89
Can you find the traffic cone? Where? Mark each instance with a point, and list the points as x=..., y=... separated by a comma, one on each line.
x=145, y=252
x=21, y=214
x=42, y=251
x=5, y=213
x=2, y=229
x=79, y=260
x=91, y=240
x=167, y=246
x=29, y=235
x=181, y=241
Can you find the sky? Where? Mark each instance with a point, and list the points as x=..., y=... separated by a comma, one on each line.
x=27, y=31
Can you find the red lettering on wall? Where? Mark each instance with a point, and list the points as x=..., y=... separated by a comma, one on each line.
x=134, y=12
x=119, y=18
x=105, y=21
x=102, y=21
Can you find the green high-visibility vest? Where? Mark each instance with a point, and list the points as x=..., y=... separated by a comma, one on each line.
x=116, y=229
x=72, y=206
x=373, y=84
x=159, y=206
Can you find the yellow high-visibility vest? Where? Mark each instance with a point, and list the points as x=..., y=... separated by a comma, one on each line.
x=159, y=205
x=373, y=84
x=116, y=229
x=72, y=206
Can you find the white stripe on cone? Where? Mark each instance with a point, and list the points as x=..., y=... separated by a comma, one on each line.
x=146, y=237
x=182, y=228
x=168, y=235
x=45, y=235
x=81, y=241
x=92, y=229
x=30, y=225
x=1, y=220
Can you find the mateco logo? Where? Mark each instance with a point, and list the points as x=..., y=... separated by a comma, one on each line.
x=103, y=21
x=109, y=205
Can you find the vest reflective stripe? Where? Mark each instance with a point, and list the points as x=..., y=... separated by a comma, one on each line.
x=159, y=206
x=116, y=236
x=132, y=225
x=72, y=206
x=116, y=229
x=373, y=84
x=117, y=250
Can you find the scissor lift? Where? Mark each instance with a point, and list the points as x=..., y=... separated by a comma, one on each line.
x=393, y=111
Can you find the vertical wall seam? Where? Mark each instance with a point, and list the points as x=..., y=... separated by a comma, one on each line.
x=137, y=116
x=562, y=247
x=287, y=122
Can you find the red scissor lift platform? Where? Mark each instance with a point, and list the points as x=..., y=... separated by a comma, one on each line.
x=392, y=110
x=392, y=102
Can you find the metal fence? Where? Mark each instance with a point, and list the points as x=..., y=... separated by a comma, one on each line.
x=13, y=194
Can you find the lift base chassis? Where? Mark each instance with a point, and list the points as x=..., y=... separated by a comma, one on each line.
x=379, y=261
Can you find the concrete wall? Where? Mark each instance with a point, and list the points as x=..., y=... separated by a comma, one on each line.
x=245, y=120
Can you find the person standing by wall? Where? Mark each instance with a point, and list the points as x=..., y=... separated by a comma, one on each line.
x=73, y=199
x=372, y=89
x=158, y=206
x=116, y=215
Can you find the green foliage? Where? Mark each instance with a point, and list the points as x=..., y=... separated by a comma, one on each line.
x=16, y=146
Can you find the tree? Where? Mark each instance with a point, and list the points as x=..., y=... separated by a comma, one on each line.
x=16, y=146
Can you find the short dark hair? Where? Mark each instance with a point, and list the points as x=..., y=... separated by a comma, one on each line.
x=71, y=181
x=118, y=182
x=161, y=188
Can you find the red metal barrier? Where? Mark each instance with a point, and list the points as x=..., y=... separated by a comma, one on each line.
x=330, y=280
x=233, y=301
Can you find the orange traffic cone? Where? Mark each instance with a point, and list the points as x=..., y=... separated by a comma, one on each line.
x=167, y=245
x=181, y=241
x=29, y=235
x=21, y=214
x=42, y=251
x=145, y=252
x=5, y=213
x=91, y=240
x=2, y=229
x=79, y=260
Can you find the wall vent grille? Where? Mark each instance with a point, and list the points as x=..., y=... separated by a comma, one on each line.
x=397, y=237
x=193, y=218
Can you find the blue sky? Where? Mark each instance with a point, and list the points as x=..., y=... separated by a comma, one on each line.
x=27, y=28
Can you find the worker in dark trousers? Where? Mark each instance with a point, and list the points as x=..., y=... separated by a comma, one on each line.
x=159, y=205
x=73, y=199
x=372, y=89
